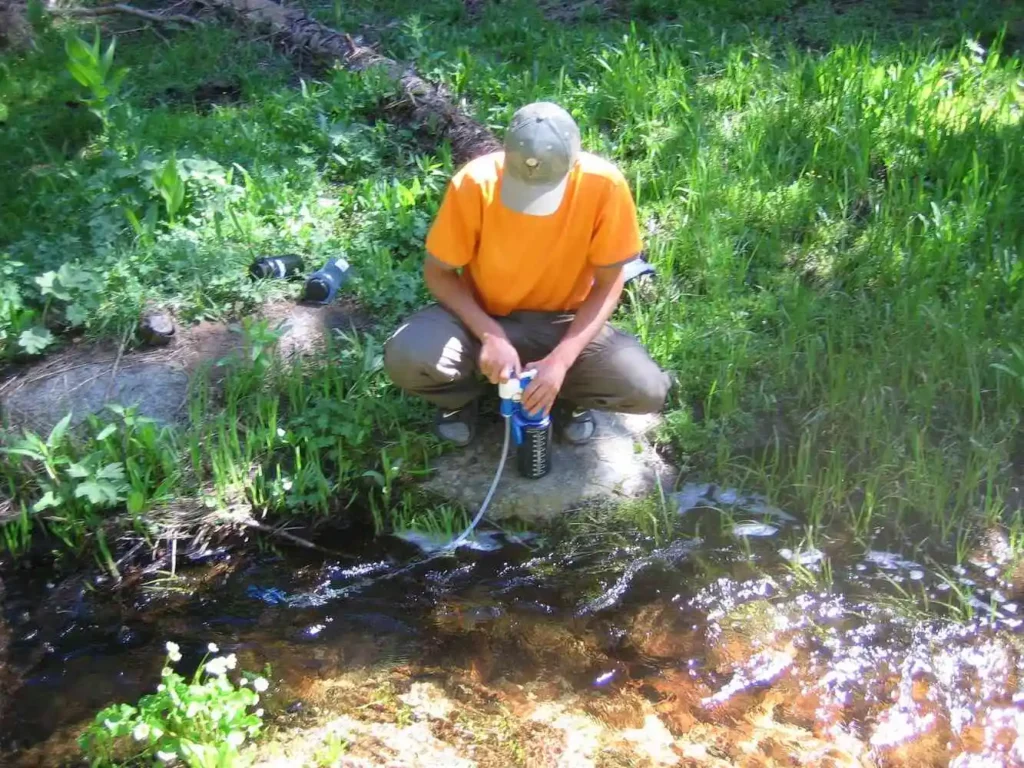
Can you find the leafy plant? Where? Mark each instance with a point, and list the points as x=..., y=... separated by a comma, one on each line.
x=171, y=186
x=200, y=722
x=35, y=339
x=71, y=486
x=94, y=68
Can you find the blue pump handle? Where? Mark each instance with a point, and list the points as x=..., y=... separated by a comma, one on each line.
x=518, y=416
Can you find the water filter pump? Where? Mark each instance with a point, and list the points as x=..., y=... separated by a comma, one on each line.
x=530, y=431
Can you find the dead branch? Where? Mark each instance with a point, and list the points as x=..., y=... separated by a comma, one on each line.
x=283, y=534
x=131, y=10
x=428, y=104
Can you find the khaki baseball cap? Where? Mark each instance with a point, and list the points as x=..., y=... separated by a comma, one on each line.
x=541, y=147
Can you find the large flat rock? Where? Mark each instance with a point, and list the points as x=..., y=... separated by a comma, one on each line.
x=158, y=390
x=617, y=464
x=84, y=378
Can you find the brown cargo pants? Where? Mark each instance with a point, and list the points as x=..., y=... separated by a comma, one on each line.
x=433, y=355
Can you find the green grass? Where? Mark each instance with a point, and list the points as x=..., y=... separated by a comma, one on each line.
x=832, y=195
x=839, y=233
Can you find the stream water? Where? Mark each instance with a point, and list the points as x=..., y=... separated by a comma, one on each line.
x=722, y=646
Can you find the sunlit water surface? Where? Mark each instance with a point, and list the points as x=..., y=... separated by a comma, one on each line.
x=728, y=645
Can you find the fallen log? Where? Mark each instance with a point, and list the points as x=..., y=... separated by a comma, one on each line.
x=428, y=105
x=130, y=10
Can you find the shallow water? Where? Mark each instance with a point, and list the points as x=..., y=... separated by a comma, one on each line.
x=727, y=645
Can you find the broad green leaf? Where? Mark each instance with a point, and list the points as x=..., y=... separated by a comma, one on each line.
x=48, y=501
x=136, y=502
x=170, y=186
x=77, y=50
x=98, y=492
x=72, y=276
x=78, y=470
x=35, y=339
x=82, y=73
x=106, y=432
x=57, y=433
x=76, y=315
x=112, y=471
x=49, y=285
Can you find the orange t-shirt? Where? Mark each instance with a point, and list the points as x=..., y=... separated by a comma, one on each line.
x=515, y=261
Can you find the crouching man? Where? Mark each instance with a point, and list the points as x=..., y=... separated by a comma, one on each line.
x=525, y=261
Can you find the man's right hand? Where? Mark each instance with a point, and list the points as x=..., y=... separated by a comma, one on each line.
x=499, y=360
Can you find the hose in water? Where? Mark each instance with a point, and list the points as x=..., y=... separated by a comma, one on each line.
x=454, y=543
x=490, y=493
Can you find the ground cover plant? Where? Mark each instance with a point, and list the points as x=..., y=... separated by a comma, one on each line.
x=202, y=720
x=831, y=196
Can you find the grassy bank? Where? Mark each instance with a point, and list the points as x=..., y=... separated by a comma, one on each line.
x=159, y=195
x=832, y=196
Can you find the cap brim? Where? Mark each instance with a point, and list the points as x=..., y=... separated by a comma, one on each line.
x=532, y=199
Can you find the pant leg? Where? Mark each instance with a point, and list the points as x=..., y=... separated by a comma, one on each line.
x=433, y=355
x=615, y=373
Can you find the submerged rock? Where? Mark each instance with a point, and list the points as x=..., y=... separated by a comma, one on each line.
x=617, y=464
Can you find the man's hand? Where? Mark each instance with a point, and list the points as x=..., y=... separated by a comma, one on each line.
x=498, y=359
x=540, y=395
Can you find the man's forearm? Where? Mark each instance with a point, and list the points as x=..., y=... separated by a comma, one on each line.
x=591, y=317
x=449, y=289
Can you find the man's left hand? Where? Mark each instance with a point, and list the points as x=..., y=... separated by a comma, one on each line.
x=541, y=393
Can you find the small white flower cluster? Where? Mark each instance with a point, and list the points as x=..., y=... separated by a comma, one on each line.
x=173, y=651
x=220, y=665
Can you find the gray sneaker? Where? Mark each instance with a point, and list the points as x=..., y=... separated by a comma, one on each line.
x=457, y=426
x=574, y=425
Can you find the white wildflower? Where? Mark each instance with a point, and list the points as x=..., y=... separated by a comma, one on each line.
x=259, y=712
x=212, y=648
x=243, y=682
x=235, y=738
x=217, y=666
x=173, y=651
x=260, y=684
x=140, y=732
x=232, y=661
x=161, y=688
x=165, y=671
